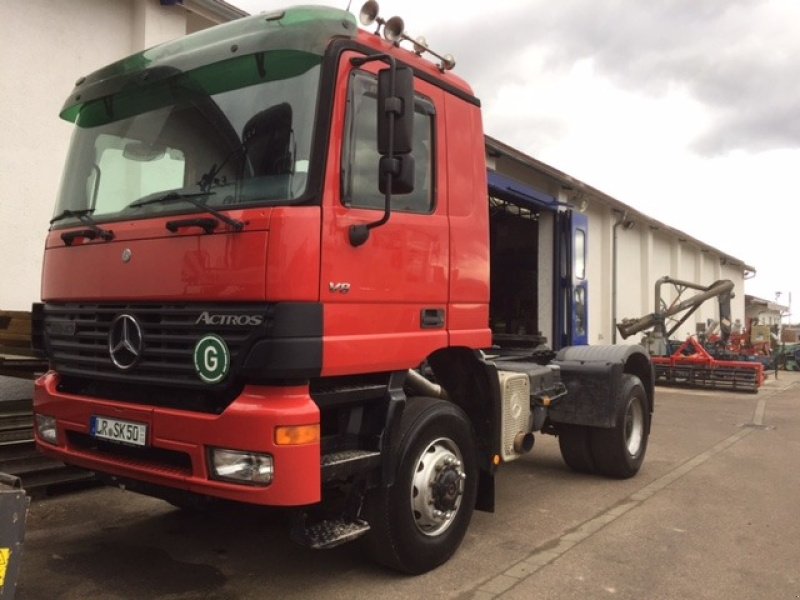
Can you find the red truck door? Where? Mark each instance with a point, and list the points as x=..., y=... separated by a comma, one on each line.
x=385, y=301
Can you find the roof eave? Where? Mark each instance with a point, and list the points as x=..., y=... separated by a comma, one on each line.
x=567, y=181
x=215, y=10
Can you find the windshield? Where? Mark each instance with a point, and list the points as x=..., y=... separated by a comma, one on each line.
x=242, y=130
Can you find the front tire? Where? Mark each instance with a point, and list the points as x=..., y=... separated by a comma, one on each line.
x=619, y=452
x=419, y=522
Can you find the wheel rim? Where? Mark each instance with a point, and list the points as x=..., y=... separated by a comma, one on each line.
x=634, y=427
x=437, y=487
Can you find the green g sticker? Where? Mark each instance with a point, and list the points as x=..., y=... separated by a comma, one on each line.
x=212, y=359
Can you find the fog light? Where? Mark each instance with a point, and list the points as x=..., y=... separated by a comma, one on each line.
x=46, y=428
x=241, y=467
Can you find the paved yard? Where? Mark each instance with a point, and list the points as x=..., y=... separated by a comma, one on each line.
x=714, y=513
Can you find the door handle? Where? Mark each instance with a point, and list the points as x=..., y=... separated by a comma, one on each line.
x=432, y=318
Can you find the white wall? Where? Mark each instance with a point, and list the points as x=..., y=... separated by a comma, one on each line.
x=598, y=268
x=631, y=274
x=45, y=45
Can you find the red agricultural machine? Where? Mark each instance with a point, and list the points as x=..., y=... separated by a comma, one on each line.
x=717, y=364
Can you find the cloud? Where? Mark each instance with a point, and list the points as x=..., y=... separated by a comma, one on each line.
x=740, y=58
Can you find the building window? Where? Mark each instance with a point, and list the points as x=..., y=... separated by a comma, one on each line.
x=580, y=254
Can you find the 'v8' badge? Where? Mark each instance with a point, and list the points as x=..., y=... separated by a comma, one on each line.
x=339, y=288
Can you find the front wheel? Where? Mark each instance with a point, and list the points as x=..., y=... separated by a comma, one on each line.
x=619, y=451
x=419, y=522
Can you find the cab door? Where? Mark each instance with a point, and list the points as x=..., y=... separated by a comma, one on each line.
x=579, y=229
x=571, y=293
x=385, y=300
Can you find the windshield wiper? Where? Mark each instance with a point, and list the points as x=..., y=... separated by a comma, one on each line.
x=93, y=231
x=192, y=198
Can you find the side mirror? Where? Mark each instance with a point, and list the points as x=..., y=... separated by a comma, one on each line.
x=395, y=138
x=401, y=103
x=402, y=169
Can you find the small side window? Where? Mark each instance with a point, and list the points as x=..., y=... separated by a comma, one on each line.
x=360, y=153
x=580, y=254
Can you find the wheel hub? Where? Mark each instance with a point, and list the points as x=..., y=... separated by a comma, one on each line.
x=437, y=487
x=446, y=488
x=634, y=427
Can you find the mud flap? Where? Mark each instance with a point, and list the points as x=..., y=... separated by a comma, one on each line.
x=592, y=393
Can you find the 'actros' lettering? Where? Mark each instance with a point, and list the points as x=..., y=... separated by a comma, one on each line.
x=207, y=318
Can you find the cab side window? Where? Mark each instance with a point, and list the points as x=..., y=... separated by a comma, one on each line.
x=360, y=153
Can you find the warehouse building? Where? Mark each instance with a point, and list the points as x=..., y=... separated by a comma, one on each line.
x=627, y=251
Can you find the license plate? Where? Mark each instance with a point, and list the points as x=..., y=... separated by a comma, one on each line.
x=124, y=432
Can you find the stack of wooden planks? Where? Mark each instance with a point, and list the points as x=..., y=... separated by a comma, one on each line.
x=17, y=357
x=18, y=455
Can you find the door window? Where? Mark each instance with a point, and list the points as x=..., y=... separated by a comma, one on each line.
x=361, y=158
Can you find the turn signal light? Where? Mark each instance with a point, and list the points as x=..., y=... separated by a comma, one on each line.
x=296, y=435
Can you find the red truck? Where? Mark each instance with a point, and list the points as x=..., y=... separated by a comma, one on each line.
x=267, y=280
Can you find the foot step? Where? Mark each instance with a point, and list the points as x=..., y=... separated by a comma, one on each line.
x=322, y=535
x=340, y=465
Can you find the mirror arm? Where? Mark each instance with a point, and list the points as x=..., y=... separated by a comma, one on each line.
x=359, y=234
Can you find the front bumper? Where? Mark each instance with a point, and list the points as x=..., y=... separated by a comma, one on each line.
x=178, y=441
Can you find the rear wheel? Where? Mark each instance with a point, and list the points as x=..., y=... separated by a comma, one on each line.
x=419, y=522
x=573, y=440
x=619, y=451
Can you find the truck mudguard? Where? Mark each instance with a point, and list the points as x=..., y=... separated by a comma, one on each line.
x=593, y=377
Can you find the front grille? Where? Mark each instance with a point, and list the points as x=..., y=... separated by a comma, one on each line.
x=145, y=456
x=77, y=340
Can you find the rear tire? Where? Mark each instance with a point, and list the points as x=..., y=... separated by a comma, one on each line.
x=619, y=452
x=419, y=522
x=573, y=441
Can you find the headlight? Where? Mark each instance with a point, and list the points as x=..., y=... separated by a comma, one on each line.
x=46, y=428
x=241, y=467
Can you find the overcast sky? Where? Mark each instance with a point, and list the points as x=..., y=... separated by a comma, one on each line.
x=687, y=110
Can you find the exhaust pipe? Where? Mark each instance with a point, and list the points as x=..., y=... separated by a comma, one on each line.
x=523, y=442
x=423, y=387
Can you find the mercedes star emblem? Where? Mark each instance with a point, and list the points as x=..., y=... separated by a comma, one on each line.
x=127, y=255
x=125, y=341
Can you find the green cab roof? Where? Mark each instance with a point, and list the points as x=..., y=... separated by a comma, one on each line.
x=305, y=29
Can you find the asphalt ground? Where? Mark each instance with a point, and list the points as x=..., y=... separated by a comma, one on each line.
x=714, y=513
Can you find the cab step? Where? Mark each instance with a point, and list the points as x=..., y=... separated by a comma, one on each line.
x=322, y=535
x=341, y=465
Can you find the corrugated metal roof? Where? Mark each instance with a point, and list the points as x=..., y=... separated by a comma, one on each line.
x=768, y=304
